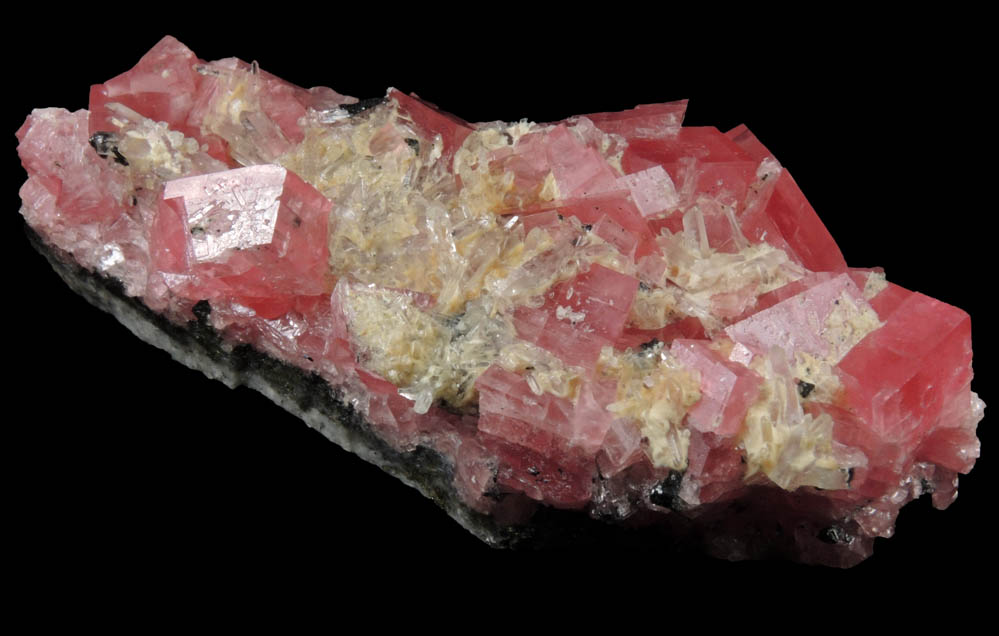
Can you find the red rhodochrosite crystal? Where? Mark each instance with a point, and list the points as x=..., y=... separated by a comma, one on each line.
x=256, y=235
x=611, y=319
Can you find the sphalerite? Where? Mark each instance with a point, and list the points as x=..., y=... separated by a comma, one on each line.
x=612, y=324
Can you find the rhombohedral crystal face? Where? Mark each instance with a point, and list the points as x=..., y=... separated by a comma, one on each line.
x=612, y=326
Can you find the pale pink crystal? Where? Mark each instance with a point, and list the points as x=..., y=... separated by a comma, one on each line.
x=239, y=233
x=796, y=324
x=252, y=242
x=728, y=389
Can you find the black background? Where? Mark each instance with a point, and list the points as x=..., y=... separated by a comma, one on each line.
x=124, y=461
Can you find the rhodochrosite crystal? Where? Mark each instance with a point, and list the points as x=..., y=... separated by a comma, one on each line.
x=610, y=326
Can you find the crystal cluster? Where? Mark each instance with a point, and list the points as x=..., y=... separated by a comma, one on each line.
x=614, y=314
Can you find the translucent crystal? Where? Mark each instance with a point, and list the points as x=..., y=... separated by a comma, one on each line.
x=612, y=313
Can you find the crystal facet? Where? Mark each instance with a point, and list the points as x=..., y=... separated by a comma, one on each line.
x=642, y=323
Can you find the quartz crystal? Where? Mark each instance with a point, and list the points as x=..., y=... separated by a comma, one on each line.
x=612, y=324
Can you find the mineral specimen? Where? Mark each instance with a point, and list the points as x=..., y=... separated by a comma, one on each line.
x=611, y=324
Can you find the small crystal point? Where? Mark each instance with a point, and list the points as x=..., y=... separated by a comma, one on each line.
x=614, y=316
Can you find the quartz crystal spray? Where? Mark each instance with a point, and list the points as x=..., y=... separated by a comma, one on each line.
x=609, y=326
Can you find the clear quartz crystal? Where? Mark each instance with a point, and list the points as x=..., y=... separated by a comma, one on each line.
x=614, y=313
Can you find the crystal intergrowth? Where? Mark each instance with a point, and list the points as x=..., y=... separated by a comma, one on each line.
x=613, y=313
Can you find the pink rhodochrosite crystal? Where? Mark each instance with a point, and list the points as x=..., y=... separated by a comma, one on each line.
x=255, y=235
x=610, y=321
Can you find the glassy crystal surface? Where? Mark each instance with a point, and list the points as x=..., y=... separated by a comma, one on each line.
x=613, y=314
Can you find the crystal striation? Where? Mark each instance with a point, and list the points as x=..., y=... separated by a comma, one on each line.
x=611, y=321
